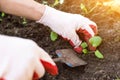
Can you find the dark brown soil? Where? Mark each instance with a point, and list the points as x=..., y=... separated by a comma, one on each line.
x=109, y=29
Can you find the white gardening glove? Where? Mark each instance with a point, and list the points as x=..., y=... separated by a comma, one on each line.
x=67, y=24
x=22, y=59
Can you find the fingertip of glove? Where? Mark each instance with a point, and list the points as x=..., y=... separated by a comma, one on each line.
x=52, y=69
x=94, y=28
x=2, y=79
x=78, y=49
x=90, y=47
x=35, y=76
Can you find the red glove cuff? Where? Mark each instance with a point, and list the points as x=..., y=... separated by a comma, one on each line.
x=2, y=79
x=78, y=49
x=52, y=69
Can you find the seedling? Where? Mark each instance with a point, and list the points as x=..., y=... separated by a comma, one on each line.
x=98, y=54
x=95, y=42
x=86, y=11
x=56, y=2
x=53, y=36
x=85, y=51
x=24, y=21
x=3, y=14
x=84, y=45
x=83, y=8
x=95, y=6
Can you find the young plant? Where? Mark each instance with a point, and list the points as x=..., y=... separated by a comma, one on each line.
x=86, y=11
x=57, y=2
x=98, y=54
x=84, y=45
x=95, y=42
x=83, y=8
x=2, y=15
x=53, y=36
x=85, y=51
x=95, y=6
x=24, y=21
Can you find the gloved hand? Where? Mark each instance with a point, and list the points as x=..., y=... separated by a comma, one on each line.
x=22, y=59
x=67, y=24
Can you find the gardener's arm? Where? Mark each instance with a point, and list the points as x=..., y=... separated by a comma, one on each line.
x=26, y=8
x=65, y=24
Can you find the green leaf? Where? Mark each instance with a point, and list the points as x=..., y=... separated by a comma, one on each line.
x=92, y=9
x=24, y=21
x=84, y=45
x=53, y=36
x=98, y=54
x=83, y=7
x=3, y=14
x=56, y=2
x=85, y=51
x=95, y=41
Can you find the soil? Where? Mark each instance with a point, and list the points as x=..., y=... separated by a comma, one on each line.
x=97, y=69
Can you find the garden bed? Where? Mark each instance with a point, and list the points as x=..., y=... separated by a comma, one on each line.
x=97, y=69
